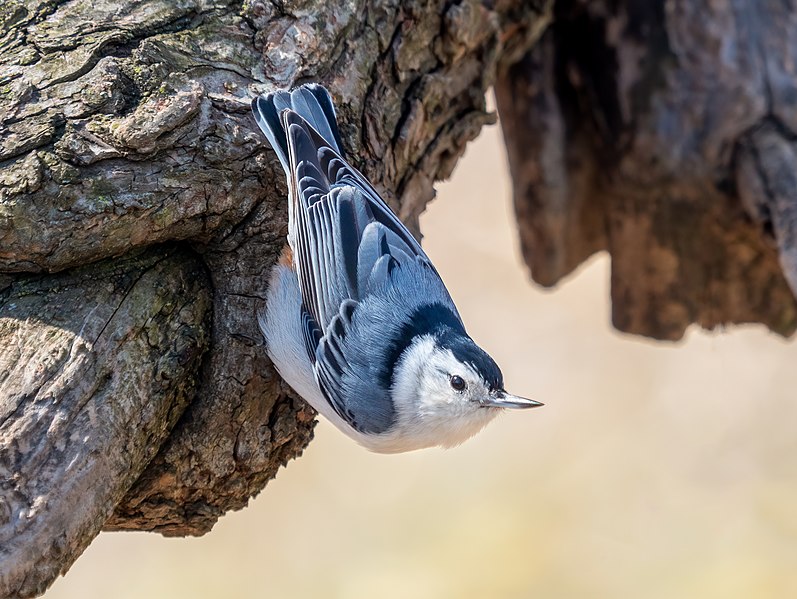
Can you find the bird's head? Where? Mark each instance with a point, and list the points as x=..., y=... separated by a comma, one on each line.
x=446, y=389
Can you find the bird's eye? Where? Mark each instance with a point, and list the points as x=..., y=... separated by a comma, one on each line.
x=457, y=383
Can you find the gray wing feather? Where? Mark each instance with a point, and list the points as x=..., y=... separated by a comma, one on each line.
x=312, y=334
x=370, y=250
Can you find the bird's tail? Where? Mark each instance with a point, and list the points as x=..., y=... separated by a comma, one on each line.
x=310, y=101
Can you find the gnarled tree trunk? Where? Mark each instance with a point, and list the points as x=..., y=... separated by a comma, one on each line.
x=140, y=212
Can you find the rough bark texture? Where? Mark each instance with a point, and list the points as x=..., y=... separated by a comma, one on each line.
x=663, y=132
x=96, y=365
x=126, y=138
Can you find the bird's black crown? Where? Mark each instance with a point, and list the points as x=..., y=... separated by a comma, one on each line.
x=446, y=328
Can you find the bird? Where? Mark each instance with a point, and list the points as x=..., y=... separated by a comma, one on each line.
x=357, y=319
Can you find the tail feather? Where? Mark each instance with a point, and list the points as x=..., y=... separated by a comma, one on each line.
x=310, y=101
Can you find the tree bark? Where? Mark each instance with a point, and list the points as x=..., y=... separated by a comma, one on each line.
x=663, y=133
x=96, y=367
x=140, y=212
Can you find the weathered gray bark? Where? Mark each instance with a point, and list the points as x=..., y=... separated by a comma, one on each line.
x=663, y=132
x=96, y=368
x=126, y=145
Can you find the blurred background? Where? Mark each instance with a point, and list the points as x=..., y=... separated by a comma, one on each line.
x=655, y=470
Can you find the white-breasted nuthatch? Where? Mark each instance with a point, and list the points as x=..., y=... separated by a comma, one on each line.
x=357, y=320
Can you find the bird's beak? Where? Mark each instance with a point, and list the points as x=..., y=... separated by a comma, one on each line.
x=502, y=399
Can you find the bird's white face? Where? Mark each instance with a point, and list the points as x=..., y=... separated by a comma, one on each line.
x=441, y=400
x=448, y=384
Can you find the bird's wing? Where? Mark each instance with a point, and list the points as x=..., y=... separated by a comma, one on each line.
x=368, y=408
x=342, y=233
